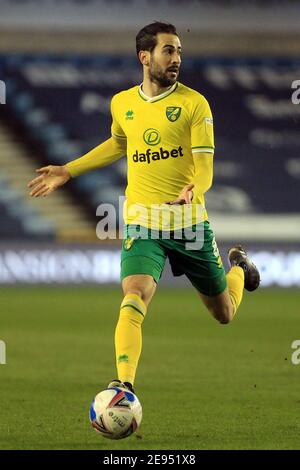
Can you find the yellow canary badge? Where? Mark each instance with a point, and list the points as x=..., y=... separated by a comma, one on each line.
x=128, y=243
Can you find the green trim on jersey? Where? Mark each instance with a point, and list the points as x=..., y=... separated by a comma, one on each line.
x=203, y=147
x=141, y=96
x=155, y=99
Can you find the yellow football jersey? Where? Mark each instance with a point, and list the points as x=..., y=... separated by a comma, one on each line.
x=164, y=134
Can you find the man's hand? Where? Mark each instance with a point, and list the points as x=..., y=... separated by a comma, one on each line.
x=185, y=196
x=51, y=178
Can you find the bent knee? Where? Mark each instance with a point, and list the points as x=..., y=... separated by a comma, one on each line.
x=144, y=292
x=136, y=291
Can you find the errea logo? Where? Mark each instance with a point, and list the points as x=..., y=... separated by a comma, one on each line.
x=129, y=114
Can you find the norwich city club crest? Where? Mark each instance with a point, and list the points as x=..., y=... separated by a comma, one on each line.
x=173, y=113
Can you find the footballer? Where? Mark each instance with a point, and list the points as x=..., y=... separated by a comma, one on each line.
x=166, y=131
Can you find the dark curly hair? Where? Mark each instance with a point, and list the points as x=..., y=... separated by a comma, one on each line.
x=146, y=38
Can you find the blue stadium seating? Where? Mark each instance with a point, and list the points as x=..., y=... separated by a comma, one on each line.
x=19, y=220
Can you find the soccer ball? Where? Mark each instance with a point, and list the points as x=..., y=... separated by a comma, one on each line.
x=116, y=413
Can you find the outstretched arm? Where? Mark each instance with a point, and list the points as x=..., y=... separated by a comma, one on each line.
x=102, y=155
x=52, y=177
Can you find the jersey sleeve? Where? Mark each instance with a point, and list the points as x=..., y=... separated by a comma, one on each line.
x=202, y=128
x=116, y=129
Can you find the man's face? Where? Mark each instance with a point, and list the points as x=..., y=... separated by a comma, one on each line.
x=165, y=60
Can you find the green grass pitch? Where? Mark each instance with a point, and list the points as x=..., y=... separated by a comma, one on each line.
x=202, y=385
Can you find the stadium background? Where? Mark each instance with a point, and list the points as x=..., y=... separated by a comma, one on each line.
x=60, y=63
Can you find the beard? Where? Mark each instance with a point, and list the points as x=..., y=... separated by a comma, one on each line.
x=161, y=77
